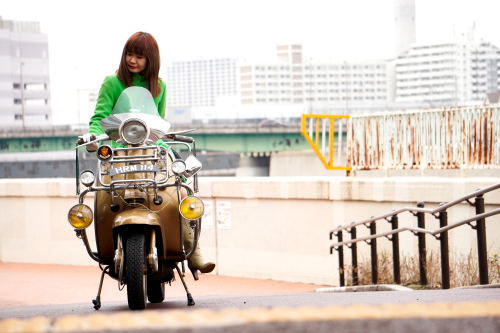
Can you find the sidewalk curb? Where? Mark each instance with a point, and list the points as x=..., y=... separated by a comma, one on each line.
x=377, y=287
x=354, y=318
x=481, y=286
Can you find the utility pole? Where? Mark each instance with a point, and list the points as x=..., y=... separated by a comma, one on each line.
x=22, y=96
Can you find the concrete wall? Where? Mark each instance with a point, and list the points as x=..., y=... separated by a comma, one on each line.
x=279, y=226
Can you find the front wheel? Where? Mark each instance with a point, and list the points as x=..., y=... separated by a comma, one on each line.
x=135, y=278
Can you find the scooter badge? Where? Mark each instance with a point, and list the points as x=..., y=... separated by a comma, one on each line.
x=104, y=153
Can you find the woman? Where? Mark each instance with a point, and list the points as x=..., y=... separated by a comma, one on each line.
x=140, y=66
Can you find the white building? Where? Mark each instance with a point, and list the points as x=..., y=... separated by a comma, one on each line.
x=202, y=82
x=455, y=73
x=291, y=80
x=404, y=20
x=24, y=76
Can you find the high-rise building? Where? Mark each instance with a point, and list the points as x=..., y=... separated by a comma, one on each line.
x=404, y=16
x=454, y=73
x=201, y=82
x=24, y=76
x=291, y=80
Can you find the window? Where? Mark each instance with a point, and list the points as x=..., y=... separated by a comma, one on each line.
x=18, y=117
x=17, y=101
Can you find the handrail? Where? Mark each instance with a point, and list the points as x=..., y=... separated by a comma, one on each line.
x=420, y=231
x=425, y=231
x=420, y=210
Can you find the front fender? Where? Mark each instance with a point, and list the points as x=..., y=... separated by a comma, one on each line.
x=137, y=216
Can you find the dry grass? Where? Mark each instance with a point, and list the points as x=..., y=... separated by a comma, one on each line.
x=463, y=270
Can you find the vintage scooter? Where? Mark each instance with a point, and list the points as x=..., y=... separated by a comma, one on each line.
x=138, y=210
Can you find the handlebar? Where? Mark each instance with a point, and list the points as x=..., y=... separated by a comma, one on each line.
x=182, y=138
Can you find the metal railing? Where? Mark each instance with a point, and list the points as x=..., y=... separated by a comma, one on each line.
x=316, y=128
x=441, y=234
x=442, y=138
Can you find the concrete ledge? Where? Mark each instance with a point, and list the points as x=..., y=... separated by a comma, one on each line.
x=378, y=287
x=404, y=189
x=298, y=319
x=481, y=286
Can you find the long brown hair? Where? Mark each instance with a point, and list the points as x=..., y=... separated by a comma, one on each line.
x=143, y=44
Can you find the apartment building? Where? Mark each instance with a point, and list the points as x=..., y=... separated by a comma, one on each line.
x=201, y=82
x=454, y=73
x=293, y=80
x=24, y=76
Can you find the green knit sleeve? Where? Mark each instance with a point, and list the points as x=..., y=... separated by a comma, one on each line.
x=162, y=105
x=104, y=105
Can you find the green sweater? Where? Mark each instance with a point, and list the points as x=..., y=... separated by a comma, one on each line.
x=110, y=90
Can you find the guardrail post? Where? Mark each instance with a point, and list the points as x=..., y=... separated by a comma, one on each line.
x=445, y=256
x=341, y=259
x=354, y=255
x=373, y=247
x=422, y=250
x=481, y=241
x=395, y=250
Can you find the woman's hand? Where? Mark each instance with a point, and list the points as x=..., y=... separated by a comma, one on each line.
x=87, y=138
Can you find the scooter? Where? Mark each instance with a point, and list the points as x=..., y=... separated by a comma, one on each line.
x=138, y=209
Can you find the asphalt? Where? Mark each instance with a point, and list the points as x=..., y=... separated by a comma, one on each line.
x=50, y=298
x=218, y=303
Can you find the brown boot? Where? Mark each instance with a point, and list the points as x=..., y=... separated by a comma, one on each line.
x=195, y=263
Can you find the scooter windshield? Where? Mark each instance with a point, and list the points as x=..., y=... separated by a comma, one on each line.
x=135, y=102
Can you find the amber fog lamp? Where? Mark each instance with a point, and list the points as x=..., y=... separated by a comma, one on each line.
x=80, y=216
x=192, y=208
x=104, y=153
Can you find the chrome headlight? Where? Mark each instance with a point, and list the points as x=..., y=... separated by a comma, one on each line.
x=178, y=167
x=80, y=216
x=134, y=131
x=87, y=178
x=192, y=208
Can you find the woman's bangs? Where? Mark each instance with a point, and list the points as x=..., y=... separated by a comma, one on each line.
x=137, y=46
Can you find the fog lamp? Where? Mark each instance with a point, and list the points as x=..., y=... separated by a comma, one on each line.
x=192, y=208
x=178, y=167
x=80, y=216
x=87, y=178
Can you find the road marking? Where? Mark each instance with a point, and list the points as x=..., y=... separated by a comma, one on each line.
x=176, y=319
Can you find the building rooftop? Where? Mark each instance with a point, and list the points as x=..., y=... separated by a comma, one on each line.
x=20, y=26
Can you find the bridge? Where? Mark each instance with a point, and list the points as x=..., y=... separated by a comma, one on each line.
x=245, y=138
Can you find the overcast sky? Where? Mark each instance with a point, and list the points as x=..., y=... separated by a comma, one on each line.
x=86, y=37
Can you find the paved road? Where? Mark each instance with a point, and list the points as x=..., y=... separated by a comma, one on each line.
x=267, y=301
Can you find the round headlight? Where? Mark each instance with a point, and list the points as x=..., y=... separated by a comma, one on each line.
x=80, y=216
x=134, y=132
x=192, y=208
x=87, y=178
x=178, y=167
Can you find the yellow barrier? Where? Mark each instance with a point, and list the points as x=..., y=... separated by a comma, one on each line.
x=327, y=128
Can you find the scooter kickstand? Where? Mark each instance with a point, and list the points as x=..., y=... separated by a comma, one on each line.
x=189, y=297
x=97, y=300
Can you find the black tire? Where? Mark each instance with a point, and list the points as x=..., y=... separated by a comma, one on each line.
x=134, y=277
x=156, y=292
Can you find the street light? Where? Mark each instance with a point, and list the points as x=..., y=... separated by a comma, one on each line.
x=22, y=95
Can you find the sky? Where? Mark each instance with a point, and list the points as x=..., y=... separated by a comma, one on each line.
x=86, y=38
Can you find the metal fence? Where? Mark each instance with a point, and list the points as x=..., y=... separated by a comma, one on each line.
x=443, y=138
x=441, y=234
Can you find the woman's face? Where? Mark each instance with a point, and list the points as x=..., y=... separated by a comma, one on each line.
x=135, y=63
